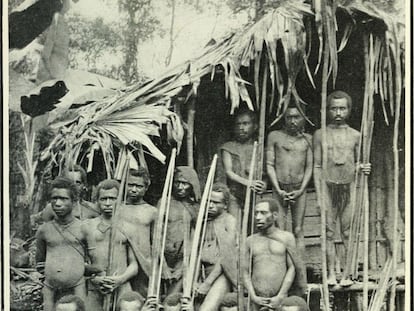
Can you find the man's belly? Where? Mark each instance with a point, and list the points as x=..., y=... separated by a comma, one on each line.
x=267, y=275
x=64, y=267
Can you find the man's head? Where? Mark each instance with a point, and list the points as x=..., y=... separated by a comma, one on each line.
x=229, y=302
x=294, y=121
x=63, y=195
x=138, y=183
x=186, y=184
x=173, y=302
x=78, y=175
x=70, y=303
x=339, y=105
x=245, y=125
x=106, y=195
x=219, y=200
x=130, y=301
x=294, y=303
x=265, y=214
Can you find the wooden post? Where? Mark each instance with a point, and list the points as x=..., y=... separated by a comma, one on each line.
x=190, y=132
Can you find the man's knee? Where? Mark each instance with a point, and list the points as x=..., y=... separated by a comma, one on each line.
x=330, y=233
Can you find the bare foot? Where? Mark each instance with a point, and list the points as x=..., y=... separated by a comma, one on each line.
x=346, y=282
x=331, y=280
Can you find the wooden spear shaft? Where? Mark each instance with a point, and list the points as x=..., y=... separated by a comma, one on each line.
x=187, y=291
x=242, y=246
x=165, y=220
x=324, y=156
x=124, y=172
x=156, y=256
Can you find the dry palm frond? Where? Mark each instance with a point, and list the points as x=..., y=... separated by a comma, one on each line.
x=105, y=126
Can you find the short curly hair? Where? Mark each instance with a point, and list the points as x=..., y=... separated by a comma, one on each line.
x=62, y=182
x=220, y=187
x=141, y=172
x=80, y=305
x=338, y=95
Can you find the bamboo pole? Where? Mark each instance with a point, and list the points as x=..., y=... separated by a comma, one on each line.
x=187, y=290
x=396, y=169
x=157, y=254
x=242, y=245
x=190, y=132
x=324, y=289
x=109, y=298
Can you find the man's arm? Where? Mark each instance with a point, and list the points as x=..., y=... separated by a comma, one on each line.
x=258, y=186
x=204, y=287
x=40, y=250
x=90, y=242
x=228, y=168
x=130, y=271
x=308, y=169
x=245, y=270
x=270, y=161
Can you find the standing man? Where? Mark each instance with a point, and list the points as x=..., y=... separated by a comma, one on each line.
x=138, y=219
x=219, y=251
x=181, y=219
x=236, y=156
x=342, y=165
x=289, y=161
x=124, y=266
x=62, y=246
x=82, y=209
x=271, y=250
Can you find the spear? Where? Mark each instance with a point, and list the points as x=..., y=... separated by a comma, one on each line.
x=194, y=254
x=160, y=233
x=242, y=248
x=109, y=298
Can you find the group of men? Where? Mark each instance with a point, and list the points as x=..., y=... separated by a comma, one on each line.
x=101, y=252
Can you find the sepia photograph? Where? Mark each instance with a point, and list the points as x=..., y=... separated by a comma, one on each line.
x=206, y=155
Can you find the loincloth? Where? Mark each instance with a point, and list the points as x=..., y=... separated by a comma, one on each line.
x=290, y=187
x=77, y=283
x=340, y=194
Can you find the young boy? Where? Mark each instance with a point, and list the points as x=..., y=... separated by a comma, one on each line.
x=62, y=246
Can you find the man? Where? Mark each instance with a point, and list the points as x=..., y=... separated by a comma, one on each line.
x=271, y=252
x=219, y=250
x=339, y=177
x=82, y=210
x=138, y=218
x=124, y=265
x=181, y=219
x=70, y=303
x=289, y=166
x=62, y=246
x=236, y=157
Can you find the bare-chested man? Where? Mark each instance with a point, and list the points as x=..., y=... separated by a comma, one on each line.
x=236, y=157
x=219, y=252
x=82, y=209
x=273, y=271
x=289, y=165
x=124, y=266
x=62, y=246
x=342, y=150
x=138, y=218
x=181, y=218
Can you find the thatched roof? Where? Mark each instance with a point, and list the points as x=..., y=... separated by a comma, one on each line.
x=135, y=108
